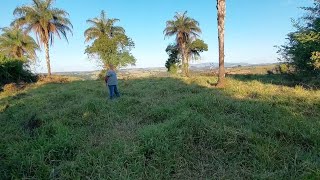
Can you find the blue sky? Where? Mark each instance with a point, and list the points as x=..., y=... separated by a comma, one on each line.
x=253, y=28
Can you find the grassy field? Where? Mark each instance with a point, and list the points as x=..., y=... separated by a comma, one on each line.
x=162, y=128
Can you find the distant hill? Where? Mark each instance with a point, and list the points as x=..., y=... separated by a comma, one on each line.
x=227, y=65
x=156, y=70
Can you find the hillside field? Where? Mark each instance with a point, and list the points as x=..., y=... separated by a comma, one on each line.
x=257, y=127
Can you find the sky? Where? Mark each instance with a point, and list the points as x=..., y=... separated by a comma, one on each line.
x=253, y=28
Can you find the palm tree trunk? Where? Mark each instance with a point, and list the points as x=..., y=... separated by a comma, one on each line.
x=184, y=59
x=19, y=53
x=48, y=58
x=221, y=7
x=187, y=65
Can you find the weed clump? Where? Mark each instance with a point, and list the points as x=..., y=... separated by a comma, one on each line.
x=55, y=79
x=11, y=88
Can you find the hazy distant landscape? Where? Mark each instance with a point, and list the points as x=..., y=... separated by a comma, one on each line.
x=200, y=67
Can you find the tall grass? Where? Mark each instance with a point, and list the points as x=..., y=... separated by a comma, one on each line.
x=161, y=128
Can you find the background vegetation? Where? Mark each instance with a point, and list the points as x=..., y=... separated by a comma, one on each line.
x=110, y=43
x=14, y=71
x=45, y=21
x=186, y=31
x=302, y=51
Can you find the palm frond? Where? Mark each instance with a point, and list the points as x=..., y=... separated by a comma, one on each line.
x=43, y=20
x=16, y=44
x=48, y=3
x=102, y=26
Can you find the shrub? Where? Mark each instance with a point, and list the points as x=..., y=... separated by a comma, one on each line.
x=282, y=68
x=102, y=74
x=173, y=60
x=14, y=71
x=270, y=72
x=173, y=69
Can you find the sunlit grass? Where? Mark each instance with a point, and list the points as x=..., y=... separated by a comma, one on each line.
x=161, y=128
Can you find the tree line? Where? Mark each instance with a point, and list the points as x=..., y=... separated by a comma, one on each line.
x=109, y=43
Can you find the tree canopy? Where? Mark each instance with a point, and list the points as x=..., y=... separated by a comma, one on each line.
x=101, y=27
x=193, y=48
x=302, y=51
x=110, y=43
x=185, y=29
x=45, y=21
x=16, y=44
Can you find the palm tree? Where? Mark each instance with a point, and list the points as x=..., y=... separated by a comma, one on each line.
x=185, y=29
x=221, y=7
x=102, y=27
x=16, y=44
x=45, y=21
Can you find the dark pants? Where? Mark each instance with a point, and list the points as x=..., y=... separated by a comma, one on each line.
x=113, y=90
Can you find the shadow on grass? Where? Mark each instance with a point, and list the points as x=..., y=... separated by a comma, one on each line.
x=160, y=128
x=276, y=79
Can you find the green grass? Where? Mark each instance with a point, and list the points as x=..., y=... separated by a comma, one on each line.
x=161, y=128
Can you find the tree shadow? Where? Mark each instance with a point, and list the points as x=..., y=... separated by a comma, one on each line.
x=160, y=128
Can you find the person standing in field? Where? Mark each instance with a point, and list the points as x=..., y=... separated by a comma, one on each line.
x=112, y=82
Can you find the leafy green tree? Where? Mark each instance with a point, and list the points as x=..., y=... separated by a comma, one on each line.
x=174, y=59
x=185, y=29
x=302, y=51
x=45, y=21
x=110, y=43
x=17, y=45
x=193, y=49
x=221, y=10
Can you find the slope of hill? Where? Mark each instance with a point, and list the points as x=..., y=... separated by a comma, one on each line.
x=162, y=128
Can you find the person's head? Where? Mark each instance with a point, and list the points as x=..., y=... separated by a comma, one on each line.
x=111, y=66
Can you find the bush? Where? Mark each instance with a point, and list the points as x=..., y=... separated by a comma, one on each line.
x=173, y=69
x=173, y=60
x=102, y=74
x=282, y=69
x=314, y=82
x=14, y=71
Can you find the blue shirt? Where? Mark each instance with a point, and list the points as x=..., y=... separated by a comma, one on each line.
x=113, y=80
